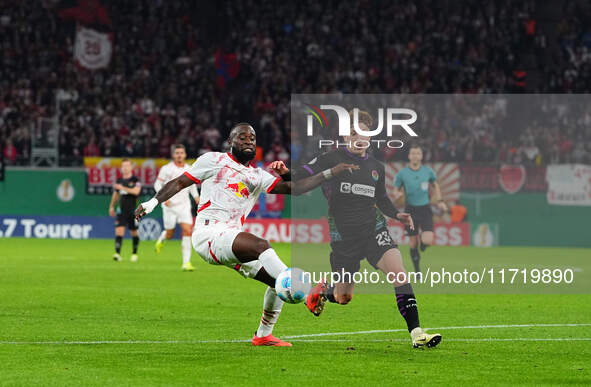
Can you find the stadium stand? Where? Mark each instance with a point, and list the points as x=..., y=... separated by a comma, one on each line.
x=170, y=90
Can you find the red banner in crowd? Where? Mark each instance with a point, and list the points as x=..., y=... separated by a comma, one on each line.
x=88, y=12
x=227, y=67
x=511, y=178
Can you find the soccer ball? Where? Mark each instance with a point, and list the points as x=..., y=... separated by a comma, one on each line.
x=292, y=285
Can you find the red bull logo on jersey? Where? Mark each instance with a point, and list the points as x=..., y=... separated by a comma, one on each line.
x=239, y=189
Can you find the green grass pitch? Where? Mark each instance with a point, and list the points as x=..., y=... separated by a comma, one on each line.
x=69, y=315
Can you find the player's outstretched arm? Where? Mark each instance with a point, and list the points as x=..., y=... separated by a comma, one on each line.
x=166, y=192
x=311, y=182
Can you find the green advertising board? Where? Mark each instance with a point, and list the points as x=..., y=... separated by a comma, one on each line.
x=522, y=219
x=51, y=192
x=526, y=219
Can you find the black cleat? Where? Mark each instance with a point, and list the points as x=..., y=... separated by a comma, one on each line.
x=416, y=262
x=423, y=247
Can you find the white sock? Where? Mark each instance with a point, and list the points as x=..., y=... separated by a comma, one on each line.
x=162, y=236
x=415, y=332
x=271, y=262
x=186, y=247
x=271, y=308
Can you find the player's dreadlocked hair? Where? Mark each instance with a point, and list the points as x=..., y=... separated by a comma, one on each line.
x=364, y=118
x=235, y=129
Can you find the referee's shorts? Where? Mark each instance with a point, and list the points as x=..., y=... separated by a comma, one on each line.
x=422, y=217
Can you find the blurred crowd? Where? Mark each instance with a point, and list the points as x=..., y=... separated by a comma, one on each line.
x=545, y=129
x=160, y=87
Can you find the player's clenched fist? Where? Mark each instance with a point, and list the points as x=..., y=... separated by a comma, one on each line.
x=279, y=167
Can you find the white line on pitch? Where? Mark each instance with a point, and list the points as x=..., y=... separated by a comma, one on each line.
x=298, y=337
x=446, y=340
x=123, y=342
x=439, y=328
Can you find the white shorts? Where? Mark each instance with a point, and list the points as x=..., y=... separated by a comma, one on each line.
x=176, y=214
x=213, y=242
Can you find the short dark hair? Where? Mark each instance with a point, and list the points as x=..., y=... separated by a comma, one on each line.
x=235, y=129
x=415, y=146
x=124, y=160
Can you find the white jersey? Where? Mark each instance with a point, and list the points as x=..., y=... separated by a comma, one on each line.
x=229, y=189
x=172, y=171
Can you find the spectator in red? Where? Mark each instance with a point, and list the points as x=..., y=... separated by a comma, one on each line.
x=91, y=149
x=10, y=152
x=565, y=147
x=165, y=143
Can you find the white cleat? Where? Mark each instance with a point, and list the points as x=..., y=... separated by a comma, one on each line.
x=422, y=339
x=117, y=257
x=134, y=258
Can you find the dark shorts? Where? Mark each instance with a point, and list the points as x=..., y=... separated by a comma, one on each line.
x=346, y=255
x=422, y=217
x=126, y=219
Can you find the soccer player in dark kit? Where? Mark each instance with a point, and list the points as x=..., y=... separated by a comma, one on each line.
x=125, y=191
x=356, y=202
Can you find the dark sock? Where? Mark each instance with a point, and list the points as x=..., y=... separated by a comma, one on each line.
x=118, y=241
x=329, y=294
x=407, y=305
x=424, y=246
x=136, y=242
x=414, y=254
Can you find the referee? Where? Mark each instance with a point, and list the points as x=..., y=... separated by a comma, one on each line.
x=414, y=181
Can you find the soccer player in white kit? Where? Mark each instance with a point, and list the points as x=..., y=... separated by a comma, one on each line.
x=229, y=189
x=177, y=209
